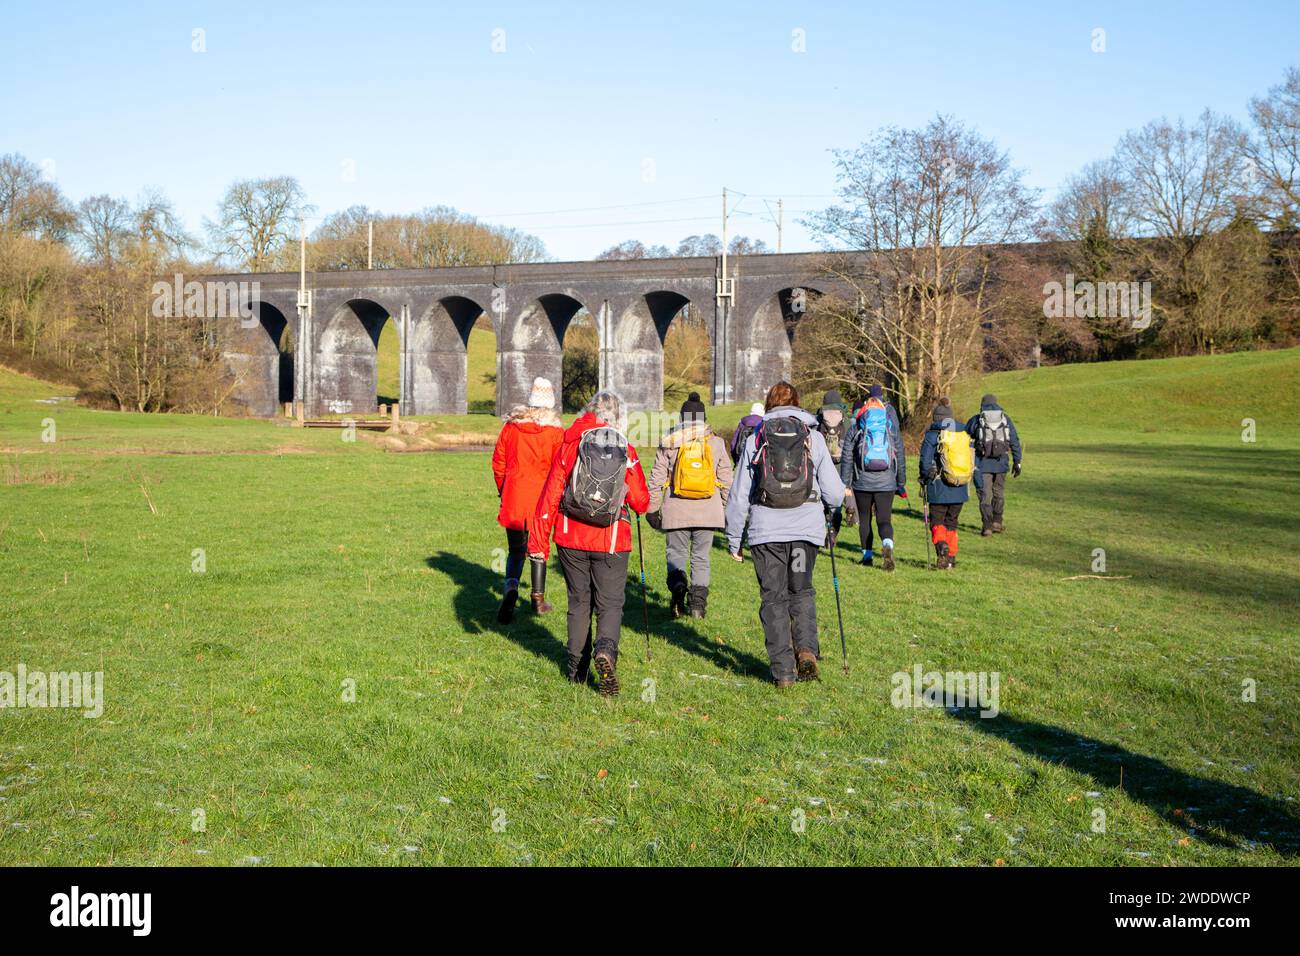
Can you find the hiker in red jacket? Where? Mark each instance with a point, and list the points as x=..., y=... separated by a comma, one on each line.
x=525, y=449
x=594, y=480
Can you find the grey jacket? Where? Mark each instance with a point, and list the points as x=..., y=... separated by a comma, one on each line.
x=689, y=512
x=804, y=523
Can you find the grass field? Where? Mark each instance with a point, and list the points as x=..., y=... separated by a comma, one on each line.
x=330, y=562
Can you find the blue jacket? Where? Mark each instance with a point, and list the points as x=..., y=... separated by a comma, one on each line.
x=994, y=466
x=936, y=489
x=807, y=522
x=851, y=471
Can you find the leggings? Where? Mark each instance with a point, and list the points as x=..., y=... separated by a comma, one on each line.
x=882, y=503
x=516, y=548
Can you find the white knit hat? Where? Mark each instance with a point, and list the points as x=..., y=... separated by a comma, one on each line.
x=757, y=409
x=543, y=394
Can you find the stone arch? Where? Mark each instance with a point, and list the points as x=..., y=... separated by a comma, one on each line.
x=264, y=373
x=533, y=345
x=437, y=364
x=635, y=357
x=348, y=374
x=765, y=343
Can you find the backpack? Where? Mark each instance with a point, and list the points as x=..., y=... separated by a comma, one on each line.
x=738, y=441
x=877, y=450
x=993, y=437
x=834, y=435
x=693, y=472
x=783, y=464
x=956, y=463
x=597, y=484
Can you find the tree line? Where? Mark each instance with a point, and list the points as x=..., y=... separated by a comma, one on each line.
x=1182, y=241
x=76, y=278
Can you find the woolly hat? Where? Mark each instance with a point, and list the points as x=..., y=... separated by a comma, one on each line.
x=543, y=394
x=942, y=411
x=989, y=399
x=832, y=398
x=875, y=391
x=693, y=408
x=757, y=409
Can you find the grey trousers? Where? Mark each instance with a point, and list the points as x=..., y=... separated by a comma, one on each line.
x=689, y=547
x=992, y=497
x=596, y=583
x=787, y=602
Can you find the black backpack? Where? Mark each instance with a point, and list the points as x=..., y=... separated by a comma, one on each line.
x=993, y=437
x=738, y=441
x=783, y=464
x=597, y=484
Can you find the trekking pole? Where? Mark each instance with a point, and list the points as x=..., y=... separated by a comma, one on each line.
x=925, y=520
x=835, y=583
x=645, y=608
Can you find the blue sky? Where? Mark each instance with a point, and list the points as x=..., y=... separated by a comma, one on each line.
x=649, y=107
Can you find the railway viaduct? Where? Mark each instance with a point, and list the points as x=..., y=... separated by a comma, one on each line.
x=336, y=331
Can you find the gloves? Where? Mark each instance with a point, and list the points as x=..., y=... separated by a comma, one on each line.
x=1015, y=470
x=901, y=492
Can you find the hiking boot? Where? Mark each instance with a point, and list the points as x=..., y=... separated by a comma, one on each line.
x=782, y=683
x=608, y=677
x=889, y=557
x=997, y=527
x=540, y=604
x=677, y=588
x=699, y=602
x=808, y=666
x=579, y=668
x=941, y=558
x=506, y=612
x=986, y=532
x=866, y=559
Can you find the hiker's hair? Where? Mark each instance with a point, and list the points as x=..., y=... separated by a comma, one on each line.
x=782, y=393
x=608, y=407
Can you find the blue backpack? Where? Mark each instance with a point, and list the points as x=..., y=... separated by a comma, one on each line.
x=877, y=449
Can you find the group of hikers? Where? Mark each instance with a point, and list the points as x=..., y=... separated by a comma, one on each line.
x=784, y=486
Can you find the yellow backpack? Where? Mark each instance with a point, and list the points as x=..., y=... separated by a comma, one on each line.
x=956, y=460
x=693, y=474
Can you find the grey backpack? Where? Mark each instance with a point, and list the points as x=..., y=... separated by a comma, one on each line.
x=993, y=436
x=597, y=484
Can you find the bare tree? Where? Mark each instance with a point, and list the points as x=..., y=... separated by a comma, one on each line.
x=930, y=204
x=1275, y=151
x=432, y=238
x=105, y=225
x=1189, y=190
x=29, y=204
x=255, y=218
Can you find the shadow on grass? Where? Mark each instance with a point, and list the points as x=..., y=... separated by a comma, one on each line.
x=676, y=632
x=1234, y=813
x=476, y=601
x=477, y=597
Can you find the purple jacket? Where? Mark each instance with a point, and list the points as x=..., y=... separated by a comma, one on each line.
x=749, y=422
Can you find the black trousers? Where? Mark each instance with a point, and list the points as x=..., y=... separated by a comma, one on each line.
x=787, y=602
x=882, y=503
x=992, y=497
x=516, y=554
x=946, y=515
x=595, y=581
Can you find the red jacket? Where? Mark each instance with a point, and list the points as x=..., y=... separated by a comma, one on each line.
x=525, y=448
x=570, y=532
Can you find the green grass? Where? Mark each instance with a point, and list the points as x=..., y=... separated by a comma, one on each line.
x=329, y=561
